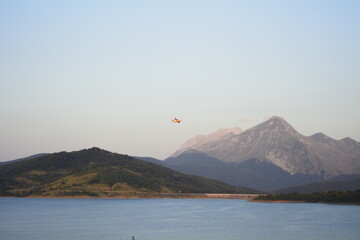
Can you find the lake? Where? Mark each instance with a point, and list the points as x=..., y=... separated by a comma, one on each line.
x=174, y=219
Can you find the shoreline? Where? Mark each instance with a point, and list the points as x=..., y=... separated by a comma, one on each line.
x=248, y=197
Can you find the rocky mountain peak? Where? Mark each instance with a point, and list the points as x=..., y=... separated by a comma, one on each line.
x=277, y=118
x=192, y=143
x=320, y=137
x=275, y=141
x=351, y=143
x=349, y=140
x=275, y=124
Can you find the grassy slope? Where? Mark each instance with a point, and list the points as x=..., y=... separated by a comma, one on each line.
x=96, y=172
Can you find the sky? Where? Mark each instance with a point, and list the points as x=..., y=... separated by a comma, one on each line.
x=112, y=74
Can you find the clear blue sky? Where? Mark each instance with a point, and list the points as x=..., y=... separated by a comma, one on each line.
x=112, y=74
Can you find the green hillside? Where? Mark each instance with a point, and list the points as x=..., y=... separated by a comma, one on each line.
x=99, y=173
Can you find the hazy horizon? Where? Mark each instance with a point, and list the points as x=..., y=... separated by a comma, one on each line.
x=112, y=74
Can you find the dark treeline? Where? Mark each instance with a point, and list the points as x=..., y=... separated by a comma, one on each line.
x=327, y=197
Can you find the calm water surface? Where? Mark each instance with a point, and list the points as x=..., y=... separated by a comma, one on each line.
x=174, y=219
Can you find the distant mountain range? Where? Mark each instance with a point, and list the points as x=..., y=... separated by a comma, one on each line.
x=269, y=156
x=99, y=173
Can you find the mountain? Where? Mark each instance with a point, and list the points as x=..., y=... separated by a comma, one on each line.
x=96, y=172
x=275, y=141
x=251, y=173
x=268, y=156
x=196, y=163
x=199, y=140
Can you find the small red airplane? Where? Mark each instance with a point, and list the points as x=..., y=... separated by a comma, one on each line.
x=175, y=120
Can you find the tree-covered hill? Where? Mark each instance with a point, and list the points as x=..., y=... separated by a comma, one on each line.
x=99, y=173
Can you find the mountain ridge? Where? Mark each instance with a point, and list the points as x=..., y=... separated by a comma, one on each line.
x=201, y=138
x=24, y=158
x=270, y=156
x=277, y=142
x=252, y=173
